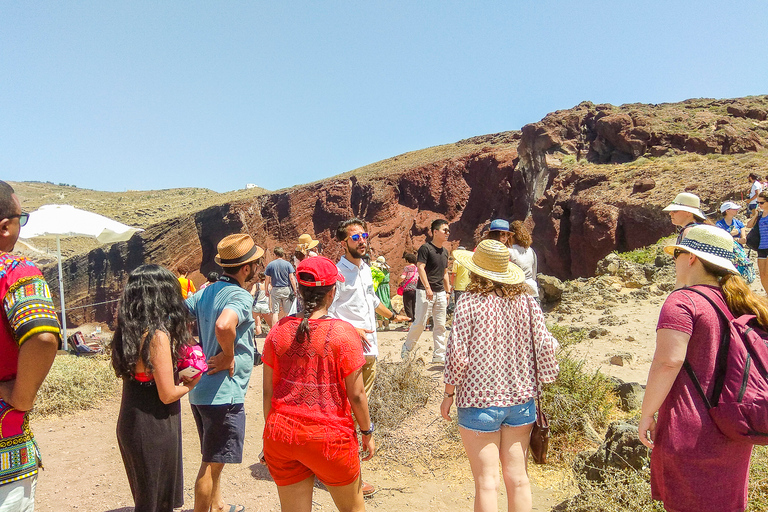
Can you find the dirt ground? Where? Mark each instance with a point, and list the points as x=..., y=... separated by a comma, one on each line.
x=84, y=471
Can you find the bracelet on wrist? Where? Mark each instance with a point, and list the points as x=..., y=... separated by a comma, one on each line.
x=369, y=431
x=448, y=395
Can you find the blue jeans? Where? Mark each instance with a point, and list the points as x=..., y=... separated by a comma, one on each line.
x=490, y=419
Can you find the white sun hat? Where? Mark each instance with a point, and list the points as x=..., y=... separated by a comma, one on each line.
x=709, y=243
x=729, y=205
x=687, y=202
x=491, y=260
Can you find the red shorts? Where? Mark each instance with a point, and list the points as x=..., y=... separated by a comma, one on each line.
x=297, y=451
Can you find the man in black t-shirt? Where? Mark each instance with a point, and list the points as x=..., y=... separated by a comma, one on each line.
x=432, y=290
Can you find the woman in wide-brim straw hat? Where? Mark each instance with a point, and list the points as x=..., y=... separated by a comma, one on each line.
x=489, y=368
x=694, y=466
x=685, y=212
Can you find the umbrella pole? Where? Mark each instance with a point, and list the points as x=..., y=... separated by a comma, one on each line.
x=61, y=296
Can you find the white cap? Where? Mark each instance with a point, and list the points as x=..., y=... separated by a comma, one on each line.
x=729, y=205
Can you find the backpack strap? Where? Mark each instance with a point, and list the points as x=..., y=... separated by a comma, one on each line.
x=721, y=361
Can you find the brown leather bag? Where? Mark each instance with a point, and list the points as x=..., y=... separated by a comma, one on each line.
x=539, y=437
x=540, y=432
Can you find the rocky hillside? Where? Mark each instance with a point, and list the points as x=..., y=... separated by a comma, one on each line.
x=588, y=181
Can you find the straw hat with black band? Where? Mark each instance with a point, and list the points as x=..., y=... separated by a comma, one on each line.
x=236, y=250
x=709, y=243
x=491, y=260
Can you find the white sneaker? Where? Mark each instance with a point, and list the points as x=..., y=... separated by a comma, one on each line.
x=404, y=353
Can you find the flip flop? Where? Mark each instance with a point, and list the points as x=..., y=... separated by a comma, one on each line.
x=233, y=508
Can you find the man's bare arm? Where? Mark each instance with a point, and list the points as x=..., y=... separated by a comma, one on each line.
x=226, y=332
x=36, y=357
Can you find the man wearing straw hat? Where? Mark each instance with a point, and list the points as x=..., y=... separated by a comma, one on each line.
x=29, y=337
x=225, y=323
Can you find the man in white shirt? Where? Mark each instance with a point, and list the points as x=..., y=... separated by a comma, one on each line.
x=356, y=301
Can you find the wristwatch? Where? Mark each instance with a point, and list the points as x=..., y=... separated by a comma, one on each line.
x=393, y=316
x=367, y=432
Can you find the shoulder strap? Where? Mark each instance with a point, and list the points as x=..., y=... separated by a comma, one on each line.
x=721, y=361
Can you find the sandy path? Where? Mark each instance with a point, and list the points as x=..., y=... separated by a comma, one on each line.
x=84, y=471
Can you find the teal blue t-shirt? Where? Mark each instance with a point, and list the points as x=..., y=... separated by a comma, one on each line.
x=207, y=305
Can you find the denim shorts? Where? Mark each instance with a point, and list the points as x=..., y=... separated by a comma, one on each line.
x=490, y=419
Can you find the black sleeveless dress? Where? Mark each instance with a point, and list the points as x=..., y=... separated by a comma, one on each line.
x=149, y=436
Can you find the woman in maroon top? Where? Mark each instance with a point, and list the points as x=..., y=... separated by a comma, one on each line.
x=312, y=383
x=694, y=467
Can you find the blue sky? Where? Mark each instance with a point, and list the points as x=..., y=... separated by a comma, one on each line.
x=146, y=95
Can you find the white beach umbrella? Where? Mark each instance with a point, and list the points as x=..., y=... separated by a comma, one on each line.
x=58, y=220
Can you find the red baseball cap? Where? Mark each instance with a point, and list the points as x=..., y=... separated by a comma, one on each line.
x=321, y=268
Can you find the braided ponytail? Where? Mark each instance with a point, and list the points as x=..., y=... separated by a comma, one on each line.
x=312, y=297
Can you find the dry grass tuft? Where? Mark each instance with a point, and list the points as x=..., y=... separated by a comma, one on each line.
x=758, y=480
x=400, y=389
x=622, y=491
x=75, y=384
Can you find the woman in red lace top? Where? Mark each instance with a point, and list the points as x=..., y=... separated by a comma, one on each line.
x=312, y=384
x=489, y=367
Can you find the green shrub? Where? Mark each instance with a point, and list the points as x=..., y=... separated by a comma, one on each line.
x=577, y=398
x=643, y=256
x=568, y=336
x=75, y=384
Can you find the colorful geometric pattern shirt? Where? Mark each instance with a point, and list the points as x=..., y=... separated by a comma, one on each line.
x=27, y=310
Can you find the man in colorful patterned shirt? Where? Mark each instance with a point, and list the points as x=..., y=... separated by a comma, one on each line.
x=29, y=338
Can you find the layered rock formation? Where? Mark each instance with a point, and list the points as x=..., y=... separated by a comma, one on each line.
x=576, y=178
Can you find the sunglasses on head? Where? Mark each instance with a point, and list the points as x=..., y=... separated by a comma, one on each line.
x=23, y=218
x=357, y=236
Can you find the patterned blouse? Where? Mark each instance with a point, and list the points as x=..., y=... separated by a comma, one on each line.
x=489, y=355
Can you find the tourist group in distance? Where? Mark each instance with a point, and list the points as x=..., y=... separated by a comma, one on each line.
x=319, y=361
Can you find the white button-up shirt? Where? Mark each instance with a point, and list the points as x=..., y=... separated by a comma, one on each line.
x=356, y=301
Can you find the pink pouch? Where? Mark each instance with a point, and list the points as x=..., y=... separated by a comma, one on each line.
x=192, y=357
x=11, y=421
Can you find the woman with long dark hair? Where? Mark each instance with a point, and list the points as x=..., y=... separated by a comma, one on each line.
x=312, y=383
x=499, y=356
x=152, y=330
x=694, y=466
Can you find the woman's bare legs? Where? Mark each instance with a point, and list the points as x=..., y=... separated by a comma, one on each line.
x=483, y=452
x=513, y=454
x=297, y=497
x=348, y=498
x=762, y=267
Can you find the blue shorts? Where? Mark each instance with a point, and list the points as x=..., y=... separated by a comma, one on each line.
x=490, y=419
x=222, y=432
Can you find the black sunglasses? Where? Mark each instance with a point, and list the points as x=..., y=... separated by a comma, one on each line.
x=23, y=218
x=678, y=252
